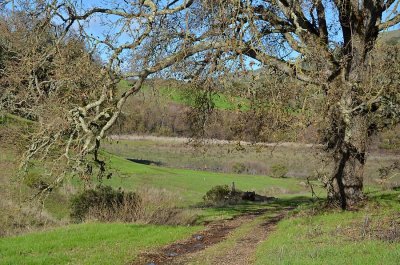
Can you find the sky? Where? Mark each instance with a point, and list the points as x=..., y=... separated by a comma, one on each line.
x=96, y=27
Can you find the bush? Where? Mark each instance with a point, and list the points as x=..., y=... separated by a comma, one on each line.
x=152, y=206
x=239, y=168
x=279, y=171
x=217, y=193
x=105, y=204
x=35, y=180
x=222, y=194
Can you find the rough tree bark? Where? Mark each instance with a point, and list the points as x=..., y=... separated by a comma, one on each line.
x=346, y=184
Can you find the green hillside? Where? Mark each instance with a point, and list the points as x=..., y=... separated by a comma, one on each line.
x=180, y=93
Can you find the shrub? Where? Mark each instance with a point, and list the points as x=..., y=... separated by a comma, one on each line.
x=35, y=180
x=151, y=206
x=222, y=194
x=217, y=193
x=105, y=204
x=279, y=171
x=239, y=168
x=160, y=206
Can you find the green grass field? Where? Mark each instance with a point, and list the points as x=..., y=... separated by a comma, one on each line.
x=191, y=185
x=92, y=243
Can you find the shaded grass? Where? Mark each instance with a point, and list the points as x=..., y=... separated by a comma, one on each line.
x=11, y=119
x=335, y=237
x=230, y=211
x=89, y=243
x=57, y=204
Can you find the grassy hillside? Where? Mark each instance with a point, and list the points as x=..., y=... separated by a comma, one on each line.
x=180, y=93
x=368, y=236
x=219, y=100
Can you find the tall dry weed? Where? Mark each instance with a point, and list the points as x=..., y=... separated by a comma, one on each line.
x=155, y=206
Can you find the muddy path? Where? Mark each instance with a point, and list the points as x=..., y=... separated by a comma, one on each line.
x=243, y=251
x=192, y=250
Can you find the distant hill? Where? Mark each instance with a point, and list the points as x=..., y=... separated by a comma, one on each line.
x=390, y=37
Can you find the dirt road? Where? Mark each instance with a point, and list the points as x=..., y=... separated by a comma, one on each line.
x=136, y=137
x=226, y=242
